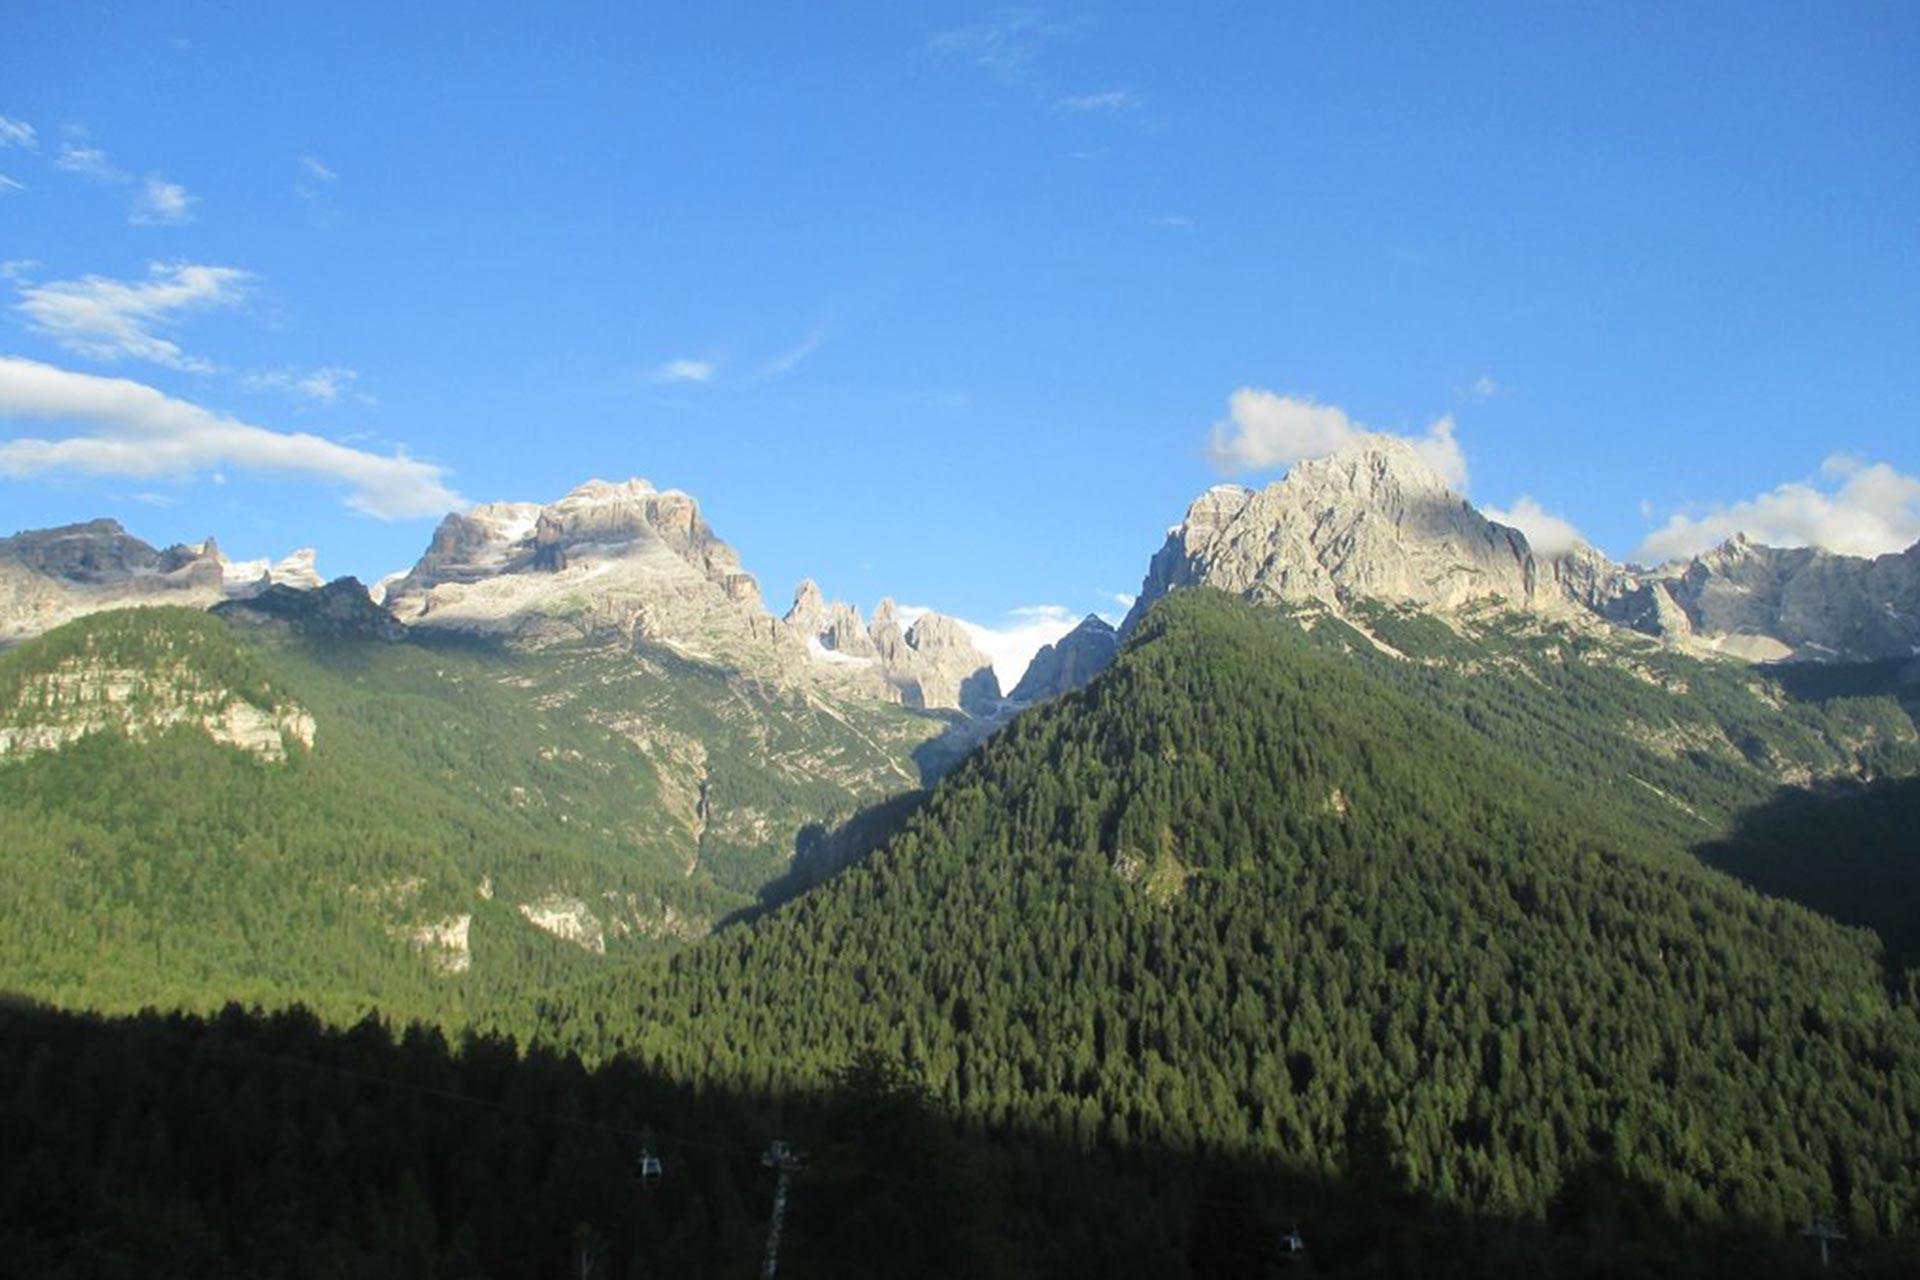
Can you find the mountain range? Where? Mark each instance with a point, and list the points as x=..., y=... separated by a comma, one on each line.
x=1370, y=523
x=1372, y=851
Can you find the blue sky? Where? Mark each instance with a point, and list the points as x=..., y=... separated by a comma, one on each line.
x=958, y=304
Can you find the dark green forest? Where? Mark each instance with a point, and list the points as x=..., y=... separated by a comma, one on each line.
x=166, y=1146
x=1436, y=956
x=1240, y=884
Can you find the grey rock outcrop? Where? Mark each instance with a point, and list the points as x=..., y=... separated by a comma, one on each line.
x=1070, y=661
x=623, y=557
x=51, y=576
x=1764, y=602
x=1373, y=522
x=342, y=609
x=932, y=663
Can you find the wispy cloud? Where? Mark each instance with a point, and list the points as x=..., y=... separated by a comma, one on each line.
x=685, y=370
x=1483, y=388
x=1006, y=45
x=18, y=133
x=106, y=319
x=90, y=162
x=324, y=385
x=315, y=177
x=791, y=359
x=8, y=184
x=157, y=202
x=1853, y=506
x=130, y=429
x=1264, y=430
x=1110, y=101
x=1174, y=221
x=161, y=204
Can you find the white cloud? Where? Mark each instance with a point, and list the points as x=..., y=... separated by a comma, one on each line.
x=1024, y=633
x=105, y=319
x=162, y=204
x=1006, y=46
x=1483, y=388
x=1548, y=534
x=317, y=169
x=324, y=385
x=787, y=361
x=1864, y=509
x=129, y=429
x=684, y=370
x=1264, y=429
x=18, y=133
x=1111, y=100
x=91, y=161
x=1011, y=645
x=8, y=184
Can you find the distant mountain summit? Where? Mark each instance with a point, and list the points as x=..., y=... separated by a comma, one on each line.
x=1374, y=524
x=1370, y=522
x=932, y=663
x=51, y=576
x=1070, y=661
x=606, y=556
x=631, y=559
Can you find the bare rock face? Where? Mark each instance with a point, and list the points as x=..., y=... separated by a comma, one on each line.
x=943, y=664
x=933, y=663
x=1799, y=601
x=808, y=615
x=607, y=557
x=85, y=695
x=1371, y=521
x=343, y=609
x=1070, y=661
x=51, y=576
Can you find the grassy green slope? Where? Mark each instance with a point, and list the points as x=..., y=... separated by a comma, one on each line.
x=444, y=782
x=1245, y=893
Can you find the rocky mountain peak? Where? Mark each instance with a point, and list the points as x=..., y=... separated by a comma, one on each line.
x=1372, y=521
x=342, y=608
x=623, y=555
x=808, y=614
x=49, y=576
x=1070, y=661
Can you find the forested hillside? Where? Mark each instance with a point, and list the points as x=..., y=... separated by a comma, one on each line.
x=1244, y=893
x=271, y=1145
x=468, y=824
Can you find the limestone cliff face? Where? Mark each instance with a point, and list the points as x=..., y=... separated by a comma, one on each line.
x=1799, y=601
x=342, y=609
x=1371, y=522
x=607, y=557
x=84, y=695
x=1069, y=662
x=630, y=559
x=51, y=576
x=932, y=663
